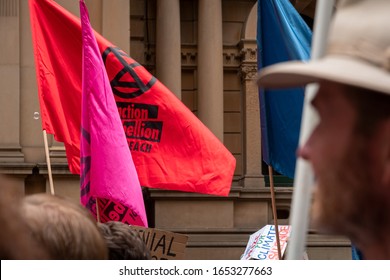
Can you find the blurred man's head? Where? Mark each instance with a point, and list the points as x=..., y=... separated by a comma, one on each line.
x=123, y=242
x=16, y=242
x=65, y=229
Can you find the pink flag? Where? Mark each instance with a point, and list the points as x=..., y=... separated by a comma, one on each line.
x=108, y=174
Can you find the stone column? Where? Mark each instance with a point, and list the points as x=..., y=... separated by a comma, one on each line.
x=112, y=20
x=210, y=65
x=252, y=144
x=10, y=146
x=168, y=46
x=116, y=23
x=95, y=10
x=253, y=177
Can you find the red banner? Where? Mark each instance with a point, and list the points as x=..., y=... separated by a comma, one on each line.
x=171, y=148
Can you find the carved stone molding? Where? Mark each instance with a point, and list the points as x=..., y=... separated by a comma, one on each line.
x=248, y=71
x=249, y=54
x=231, y=57
x=188, y=58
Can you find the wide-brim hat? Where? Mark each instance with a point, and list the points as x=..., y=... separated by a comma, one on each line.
x=357, y=53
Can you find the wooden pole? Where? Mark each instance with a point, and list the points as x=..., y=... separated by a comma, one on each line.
x=97, y=211
x=271, y=180
x=48, y=162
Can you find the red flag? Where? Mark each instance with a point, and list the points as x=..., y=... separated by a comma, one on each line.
x=108, y=172
x=58, y=70
x=171, y=148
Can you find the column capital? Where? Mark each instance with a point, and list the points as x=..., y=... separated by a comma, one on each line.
x=248, y=72
x=248, y=54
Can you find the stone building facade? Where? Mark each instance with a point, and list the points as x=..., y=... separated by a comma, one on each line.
x=205, y=52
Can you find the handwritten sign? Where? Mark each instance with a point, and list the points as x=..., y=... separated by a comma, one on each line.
x=163, y=245
x=262, y=245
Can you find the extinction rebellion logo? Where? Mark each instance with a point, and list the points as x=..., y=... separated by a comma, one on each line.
x=140, y=121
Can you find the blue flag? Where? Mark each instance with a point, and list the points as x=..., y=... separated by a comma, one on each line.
x=282, y=35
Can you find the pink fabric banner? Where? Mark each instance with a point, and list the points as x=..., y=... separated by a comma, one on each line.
x=108, y=173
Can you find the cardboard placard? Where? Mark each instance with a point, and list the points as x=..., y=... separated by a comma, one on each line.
x=163, y=245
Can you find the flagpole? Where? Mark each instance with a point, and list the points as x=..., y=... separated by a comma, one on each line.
x=97, y=211
x=48, y=162
x=304, y=177
x=271, y=180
